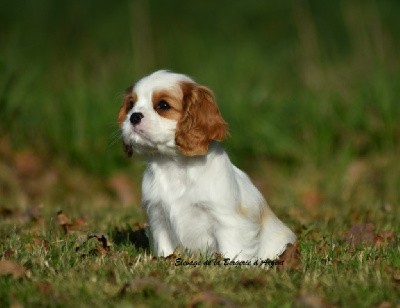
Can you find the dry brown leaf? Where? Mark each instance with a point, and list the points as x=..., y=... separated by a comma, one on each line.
x=361, y=234
x=290, y=259
x=41, y=242
x=8, y=253
x=62, y=219
x=104, y=245
x=209, y=299
x=9, y=267
x=384, y=238
x=68, y=225
x=364, y=234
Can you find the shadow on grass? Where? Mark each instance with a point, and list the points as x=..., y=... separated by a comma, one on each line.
x=131, y=236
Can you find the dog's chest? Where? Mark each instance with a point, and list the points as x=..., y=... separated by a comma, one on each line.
x=180, y=195
x=174, y=183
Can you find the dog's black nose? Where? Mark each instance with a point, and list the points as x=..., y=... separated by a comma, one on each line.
x=136, y=117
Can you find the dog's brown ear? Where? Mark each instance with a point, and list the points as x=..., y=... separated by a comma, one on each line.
x=201, y=121
x=127, y=104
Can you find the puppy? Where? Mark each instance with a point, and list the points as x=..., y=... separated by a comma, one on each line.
x=194, y=196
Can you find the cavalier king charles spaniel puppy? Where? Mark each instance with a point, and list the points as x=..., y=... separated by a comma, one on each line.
x=195, y=198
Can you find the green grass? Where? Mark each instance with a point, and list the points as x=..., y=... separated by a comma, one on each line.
x=331, y=270
x=311, y=80
x=310, y=91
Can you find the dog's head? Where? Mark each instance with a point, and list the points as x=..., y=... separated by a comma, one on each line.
x=169, y=113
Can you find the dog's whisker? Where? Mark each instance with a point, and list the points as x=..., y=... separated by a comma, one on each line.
x=114, y=137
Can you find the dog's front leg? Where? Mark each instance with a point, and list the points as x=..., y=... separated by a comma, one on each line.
x=237, y=237
x=162, y=239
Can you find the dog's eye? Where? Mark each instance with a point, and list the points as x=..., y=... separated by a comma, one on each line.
x=130, y=104
x=162, y=105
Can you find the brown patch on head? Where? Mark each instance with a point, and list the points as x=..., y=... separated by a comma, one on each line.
x=168, y=97
x=127, y=104
x=200, y=123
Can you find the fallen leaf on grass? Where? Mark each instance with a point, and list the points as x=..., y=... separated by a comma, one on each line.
x=210, y=299
x=384, y=237
x=361, y=234
x=290, y=258
x=41, y=242
x=62, y=219
x=68, y=225
x=364, y=234
x=146, y=286
x=8, y=267
x=8, y=253
x=102, y=244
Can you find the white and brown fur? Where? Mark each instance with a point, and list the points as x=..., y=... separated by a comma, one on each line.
x=194, y=196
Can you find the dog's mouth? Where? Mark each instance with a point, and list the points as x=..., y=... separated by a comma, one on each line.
x=138, y=140
x=128, y=149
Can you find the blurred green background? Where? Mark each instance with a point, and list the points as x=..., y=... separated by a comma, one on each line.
x=310, y=90
x=299, y=82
